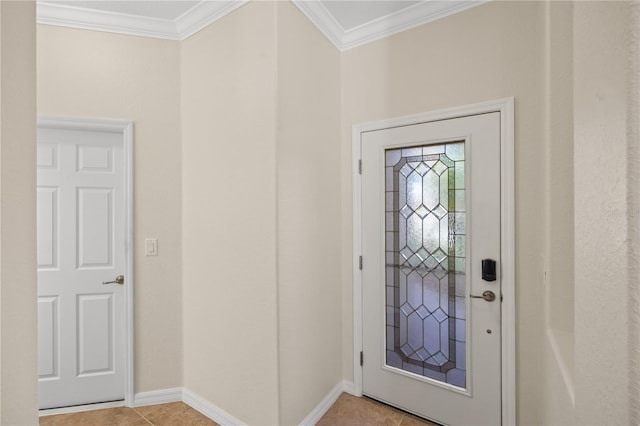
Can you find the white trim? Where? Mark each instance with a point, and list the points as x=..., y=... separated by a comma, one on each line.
x=129, y=301
x=101, y=20
x=403, y=20
x=204, y=14
x=124, y=127
x=83, y=123
x=209, y=409
x=508, y=259
x=316, y=414
x=195, y=401
x=347, y=387
x=384, y=26
x=357, y=250
x=190, y=22
x=162, y=396
x=323, y=20
x=507, y=196
x=79, y=408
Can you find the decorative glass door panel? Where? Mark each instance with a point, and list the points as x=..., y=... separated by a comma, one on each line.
x=425, y=261
x=431, y=212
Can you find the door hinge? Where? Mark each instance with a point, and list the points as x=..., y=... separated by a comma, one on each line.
x=360, y=166
x=360, y=262
x=361, y=358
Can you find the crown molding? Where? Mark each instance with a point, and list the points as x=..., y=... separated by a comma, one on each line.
x=203, y=14
x=192, y=21
x=207, y=12
x=91, y=19
x=321, y=18
x=385, y=26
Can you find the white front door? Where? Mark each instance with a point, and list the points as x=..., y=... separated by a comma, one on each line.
x=430, y=217
x=81, y=244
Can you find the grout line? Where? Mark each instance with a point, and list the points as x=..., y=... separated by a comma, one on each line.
x=143, y=417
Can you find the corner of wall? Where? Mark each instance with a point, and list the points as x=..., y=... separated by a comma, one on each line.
x=308, y=214
x=557, y=260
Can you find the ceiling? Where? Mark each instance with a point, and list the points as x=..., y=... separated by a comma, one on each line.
x=345, y=23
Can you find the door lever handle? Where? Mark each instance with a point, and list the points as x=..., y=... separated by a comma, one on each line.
x=119, y=280
x=488, y=295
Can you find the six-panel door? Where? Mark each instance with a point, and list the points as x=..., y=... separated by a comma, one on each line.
x=81, y=240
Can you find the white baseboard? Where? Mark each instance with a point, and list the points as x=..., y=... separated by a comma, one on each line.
x=220, y=416
x=162, y=396
x=79, y=408
x=210, y=410
x=348, y=387
x=316, y=414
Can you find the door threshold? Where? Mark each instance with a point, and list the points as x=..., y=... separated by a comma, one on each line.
x=81, y=408
x=401, y=409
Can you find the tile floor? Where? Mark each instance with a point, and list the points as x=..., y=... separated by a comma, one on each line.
x=172, y=414
x=348, y=410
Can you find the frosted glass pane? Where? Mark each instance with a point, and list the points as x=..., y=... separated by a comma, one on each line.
x=455, y=151
x=414, y=190
x=425, y=248
x=431, y=190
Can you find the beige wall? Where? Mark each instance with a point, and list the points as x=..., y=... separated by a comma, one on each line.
x=229, y=187
x=97, y=74
x=590, y=372
x=309, y=228
x=557, y=259
x=229, y=100
x=438, y=65
x=606, y=279
x=571, y=84
x=261, y=188
x=18, y=357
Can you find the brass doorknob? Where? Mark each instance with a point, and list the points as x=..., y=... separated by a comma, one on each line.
x=119, y=280
x=488, y=295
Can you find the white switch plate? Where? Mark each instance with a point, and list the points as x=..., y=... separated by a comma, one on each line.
x=151, y=247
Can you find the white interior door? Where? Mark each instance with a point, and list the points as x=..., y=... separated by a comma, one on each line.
x=430, y=216
x=81, y=244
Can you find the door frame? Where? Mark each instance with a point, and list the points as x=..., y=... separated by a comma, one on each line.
x=125, y=128
x=505, y=107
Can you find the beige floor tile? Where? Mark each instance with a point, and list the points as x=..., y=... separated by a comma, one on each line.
x=349, y=410
x=175, y=413
x=120, y=416
x=409, y=420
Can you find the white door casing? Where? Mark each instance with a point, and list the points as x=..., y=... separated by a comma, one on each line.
x=488, y=315
x=84, y=239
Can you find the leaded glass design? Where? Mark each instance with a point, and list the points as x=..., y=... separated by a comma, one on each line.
x=425, y=261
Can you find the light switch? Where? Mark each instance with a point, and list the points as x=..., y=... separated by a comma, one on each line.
x=151, y=247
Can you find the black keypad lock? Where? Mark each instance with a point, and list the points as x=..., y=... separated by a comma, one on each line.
x=488, y=269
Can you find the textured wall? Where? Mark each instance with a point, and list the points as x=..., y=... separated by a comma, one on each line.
x=97, y=74
x=19, y=365
x=605, y=136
